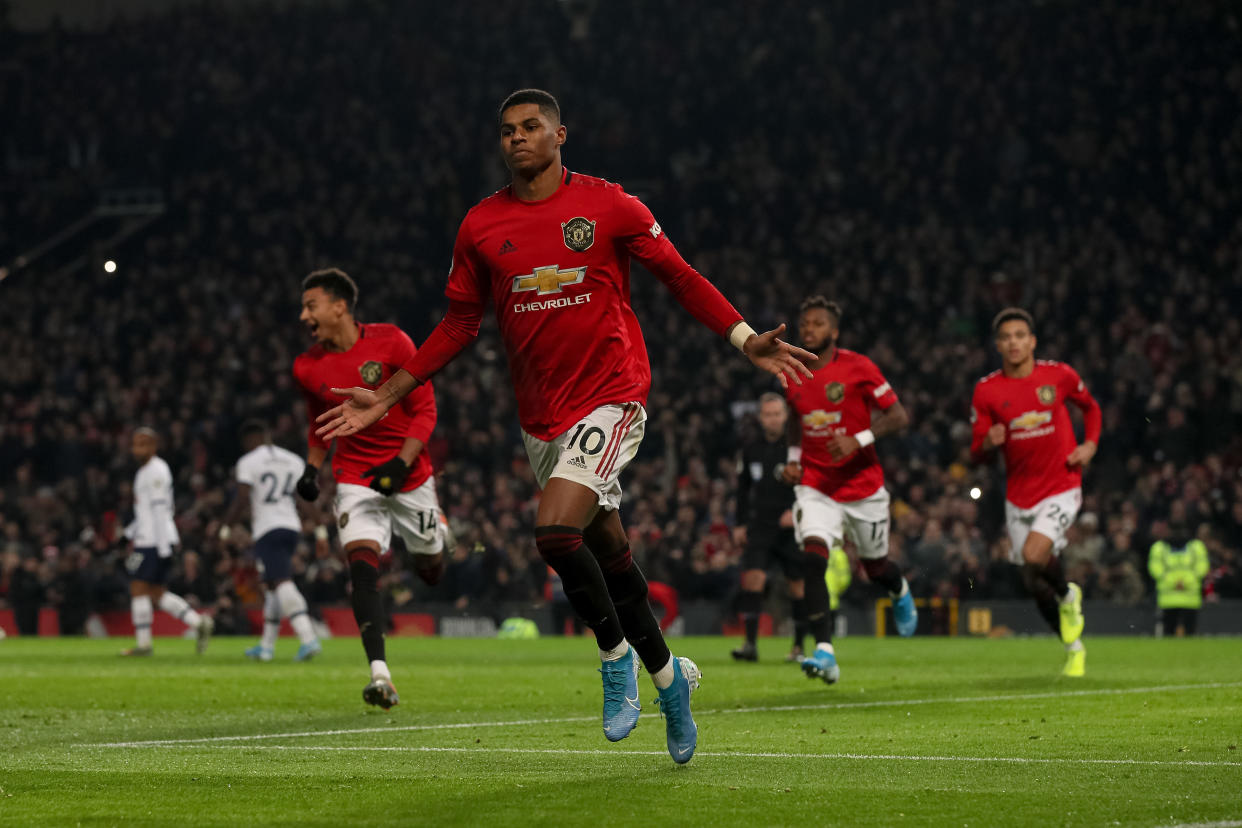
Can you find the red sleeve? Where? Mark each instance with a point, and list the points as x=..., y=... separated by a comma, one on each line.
x=456, y=330
x=1075, y=391
x=980, y=422
x=419, y=404
x=879, y=393
x=314, y=407
x=645, y=241
x=467, y=281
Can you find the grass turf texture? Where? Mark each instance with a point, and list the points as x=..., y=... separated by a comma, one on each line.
x=774, y=747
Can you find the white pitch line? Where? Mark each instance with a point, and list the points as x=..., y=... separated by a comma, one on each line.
x=1115, y=691
x=1023, y=760
x=1228, y=823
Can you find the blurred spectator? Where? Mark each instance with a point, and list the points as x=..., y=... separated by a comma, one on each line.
x=26, y=593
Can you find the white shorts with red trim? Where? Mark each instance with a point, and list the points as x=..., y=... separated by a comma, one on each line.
x=593, y=451
x=1050, y=517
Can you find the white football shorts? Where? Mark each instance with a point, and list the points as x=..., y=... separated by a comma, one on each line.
x=593, y=452
x=1049, y=517
x=865, y=522
x=364, y=514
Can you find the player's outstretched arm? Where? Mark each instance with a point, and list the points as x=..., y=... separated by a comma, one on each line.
x=645, y=239
x=363, y=407
x=769, y=353
x=456, y=330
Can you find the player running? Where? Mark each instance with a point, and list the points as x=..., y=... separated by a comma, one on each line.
x=266, y=477
x=1020, y=409
x=552, y=252
x=154, y=537
x=765, y=525
x=837, y=477
x=383, y=477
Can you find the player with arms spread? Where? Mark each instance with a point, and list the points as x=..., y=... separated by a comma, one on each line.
x=383, y=477
x=266, y=479
x=837, y=477
x=552, y=254
x=1020, y=410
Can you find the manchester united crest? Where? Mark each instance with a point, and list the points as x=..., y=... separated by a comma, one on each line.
x=1047, y=394
x=579, y=234
x=372, y=372
x=835, y=392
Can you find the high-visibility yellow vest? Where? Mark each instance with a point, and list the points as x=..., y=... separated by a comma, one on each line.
x=837, y=577
x=1178, y=574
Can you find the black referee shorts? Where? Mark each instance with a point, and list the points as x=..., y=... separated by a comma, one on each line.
x=771, y=547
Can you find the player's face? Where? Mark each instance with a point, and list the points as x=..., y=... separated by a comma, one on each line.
x=1015, y=341
x=142, y=447
x=529, y=140
x=321, y=313
x=816, y=329
x=772, y=416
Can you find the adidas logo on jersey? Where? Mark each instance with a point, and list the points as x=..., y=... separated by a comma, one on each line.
x=577, y=462
x=507, y=247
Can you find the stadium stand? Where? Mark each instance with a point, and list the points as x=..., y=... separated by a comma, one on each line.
x=923, y=167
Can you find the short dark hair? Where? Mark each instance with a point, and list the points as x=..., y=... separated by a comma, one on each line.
x=253, y=427
x=821, y=301
x=544, y=100
x=336, y=282
x=1009, y=314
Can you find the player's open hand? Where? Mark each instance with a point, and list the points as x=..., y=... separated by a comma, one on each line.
x=1081, y=455
x=841, y=446
x=363, y=408
x=791, y=474
x=777, y=357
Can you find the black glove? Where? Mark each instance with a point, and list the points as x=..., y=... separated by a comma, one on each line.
x=308, y=485
x=389, y=477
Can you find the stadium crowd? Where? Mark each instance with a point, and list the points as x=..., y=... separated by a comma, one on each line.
x=924, y=167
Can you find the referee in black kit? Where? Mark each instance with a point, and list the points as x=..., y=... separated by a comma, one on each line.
x=765, y=526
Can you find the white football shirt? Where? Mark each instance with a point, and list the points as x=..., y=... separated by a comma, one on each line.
x=153, y=524
x=272, y=474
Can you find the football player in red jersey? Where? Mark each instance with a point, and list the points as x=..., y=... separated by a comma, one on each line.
x=383, y=476
x=837, y=478
x=1020, y=410
x=551, y=252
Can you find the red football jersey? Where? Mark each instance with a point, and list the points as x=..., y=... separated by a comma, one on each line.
x=839, y=399
x=1038, y=433
x=557, y=272
x=378, y=353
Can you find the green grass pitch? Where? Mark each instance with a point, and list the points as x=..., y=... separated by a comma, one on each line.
x=918, y=732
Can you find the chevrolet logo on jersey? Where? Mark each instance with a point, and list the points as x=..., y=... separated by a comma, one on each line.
x=548, y=279
x=820, y=418
x=1030, y=420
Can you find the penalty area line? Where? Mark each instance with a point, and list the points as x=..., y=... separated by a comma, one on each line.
x=865, y=757
x=861, y=705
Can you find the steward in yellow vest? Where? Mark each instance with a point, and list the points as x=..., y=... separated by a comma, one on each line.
x=1178, y=566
